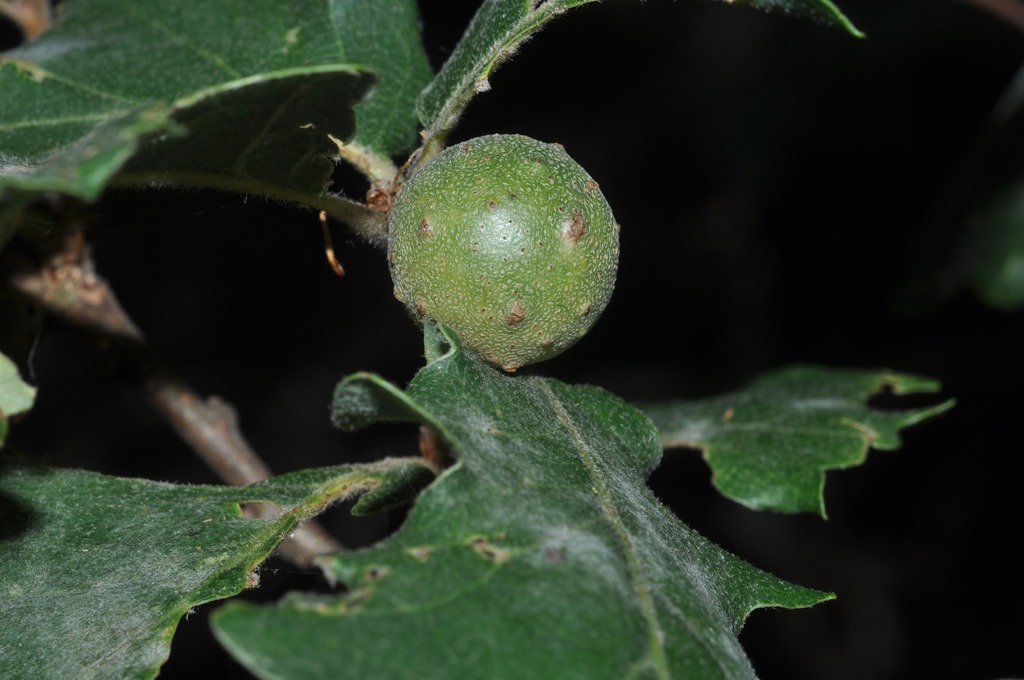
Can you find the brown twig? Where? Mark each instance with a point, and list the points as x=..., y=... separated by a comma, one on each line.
x=32, y=16
x=68, y=287
x=1010, y=11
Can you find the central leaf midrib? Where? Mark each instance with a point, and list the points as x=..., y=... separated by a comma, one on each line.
x=640, y=586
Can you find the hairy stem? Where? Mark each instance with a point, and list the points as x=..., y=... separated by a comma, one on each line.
x=68, y=287
x=370, y=225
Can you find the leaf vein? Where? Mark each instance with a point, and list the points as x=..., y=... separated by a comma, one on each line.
x=180, y=40
x=37, y=72
x=641, y=586
x=45, y=122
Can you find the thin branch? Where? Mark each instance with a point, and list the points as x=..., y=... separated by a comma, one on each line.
x=32, y=16
x=69, y=287
x=1010, y=11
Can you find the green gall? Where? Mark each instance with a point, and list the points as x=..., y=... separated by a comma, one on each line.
x=508, y=242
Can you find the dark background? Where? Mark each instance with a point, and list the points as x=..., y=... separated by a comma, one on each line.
x=781, y=187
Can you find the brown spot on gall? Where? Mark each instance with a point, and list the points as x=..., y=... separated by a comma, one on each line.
x=492, y=205
x=516, y=314
x=421, y=307
x=424, y=227
x=577, y=226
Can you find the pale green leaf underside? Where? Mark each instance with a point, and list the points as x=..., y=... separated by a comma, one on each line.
x=254, y=86
x=96, y=571
x=770, y=444
x=501, y=26
x=15, y=395
x=546, y=512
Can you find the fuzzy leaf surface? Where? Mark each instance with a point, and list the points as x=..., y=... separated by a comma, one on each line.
x=541, y=553
x=15, y=395
x=231, y=94
x=500, y=27
x=96, y=571
x=770, y=444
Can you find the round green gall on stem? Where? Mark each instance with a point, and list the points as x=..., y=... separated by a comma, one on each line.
x=508, y=242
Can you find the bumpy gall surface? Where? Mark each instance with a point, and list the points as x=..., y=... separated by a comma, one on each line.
x=508, y=242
